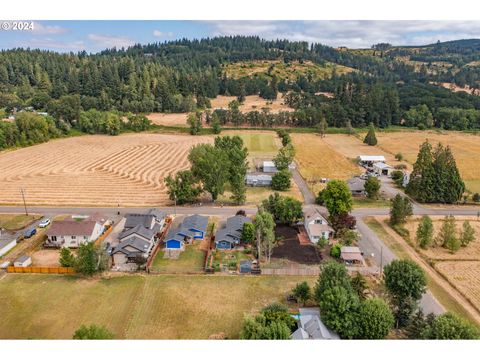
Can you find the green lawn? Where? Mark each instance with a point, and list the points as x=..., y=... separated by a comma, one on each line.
x=135, y=307
x=190, y=260
x=258, y=143
x=15, y=222
x=229, y=258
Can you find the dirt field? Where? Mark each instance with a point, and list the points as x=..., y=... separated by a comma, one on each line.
x=290, y=249
x=135, y=307
x=95, y=170
x=252, y=103
x=465, y=148
x=465, y=275
x=470, y=252
x=319, y=158
x=178, y=119
x=48, y=257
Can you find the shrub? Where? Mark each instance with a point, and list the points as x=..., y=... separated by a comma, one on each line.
x=335, y=251
x=399, y=156
x=400, y=167
x=281, y=180
x=476, y=197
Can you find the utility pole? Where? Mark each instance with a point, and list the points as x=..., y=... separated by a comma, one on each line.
x=24, y=203
x=175, y=199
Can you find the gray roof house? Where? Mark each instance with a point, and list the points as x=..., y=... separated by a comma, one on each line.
x=356, y=186
x=140, y=231
x=311, y=327
x=148, y=220
x=229, y=236
x=258, y=180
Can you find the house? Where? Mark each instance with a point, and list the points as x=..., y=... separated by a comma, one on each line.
x=369, y=160
x=311, y=327
x=148, y=220
x=269, y=167
x=23, y=261
x=229, y=236
x=7, y=245
x=351, y=255
x=128, y=250
x=141, y=232
x=258, y=180
x=72, y=233
x=383, y=169
x=191, y=228
x=356, y=186
x=317, y=226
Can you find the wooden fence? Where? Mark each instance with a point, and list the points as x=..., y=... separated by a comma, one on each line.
x=104, y=235
x=292, y=271
x=40, y=270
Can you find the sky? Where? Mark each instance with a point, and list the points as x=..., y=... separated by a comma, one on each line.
x=94, y=36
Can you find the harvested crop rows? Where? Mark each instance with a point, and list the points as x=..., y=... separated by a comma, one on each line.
x=95, y=170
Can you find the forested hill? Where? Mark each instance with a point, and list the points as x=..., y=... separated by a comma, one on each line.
x=385, y=85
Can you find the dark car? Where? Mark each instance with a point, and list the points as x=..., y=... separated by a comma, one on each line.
x=29, y=233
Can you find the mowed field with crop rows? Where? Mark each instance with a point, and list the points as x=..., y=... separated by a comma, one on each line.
x=135, y=307
x=95, y=170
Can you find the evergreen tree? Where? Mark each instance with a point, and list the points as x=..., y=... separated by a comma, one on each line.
x=370, y=138
x=302, y=292
x=468, y=233
x=67, y=259
x=422, y=178
x=447, y=236
x=322, y=127
x=400, y=210
x=216, y=128
x=425, y=232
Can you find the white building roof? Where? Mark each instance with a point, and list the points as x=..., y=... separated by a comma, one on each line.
x=382, y=165
x=371, y=158
x=268, y=164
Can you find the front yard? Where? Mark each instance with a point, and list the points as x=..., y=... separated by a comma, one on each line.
x=15, y=222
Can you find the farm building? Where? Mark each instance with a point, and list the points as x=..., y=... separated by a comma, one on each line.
x=23, y=261
x=192, y=227
x=311, y=327
x=269, y=167
x=351, y=255
x=369, y=160
x=317, y=226
x=7, y=245
x=229, y=236
x=72, y=233
x=258, y=180
x=356, y=186
x=148, y=220
x=130, y=249
x=383, y=169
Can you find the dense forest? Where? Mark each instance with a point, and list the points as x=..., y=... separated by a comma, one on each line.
x=95, y=92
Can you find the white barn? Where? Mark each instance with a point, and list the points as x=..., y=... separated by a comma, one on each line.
x=369, y=160
x=269, y=167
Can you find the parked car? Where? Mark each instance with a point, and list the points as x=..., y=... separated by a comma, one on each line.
x=29, y=233
x=44, y=223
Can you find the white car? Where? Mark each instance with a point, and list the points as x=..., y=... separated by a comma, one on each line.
x=44, y=223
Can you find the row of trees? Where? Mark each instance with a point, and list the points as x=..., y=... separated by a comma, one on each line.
x=212, y=168
x=89, y=260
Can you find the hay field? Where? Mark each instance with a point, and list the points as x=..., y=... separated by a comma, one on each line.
x=470, y=252
x=95, y=170
x=176, y=119
x=465, y=276
x=135, y=307
x=252, y=103
x=465, y=148
x=322, y=158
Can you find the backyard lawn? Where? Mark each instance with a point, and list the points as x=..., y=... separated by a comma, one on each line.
x=190, y=260
x=14, y=222
x=135, y=307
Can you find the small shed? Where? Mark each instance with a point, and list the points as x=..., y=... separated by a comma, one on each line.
x=269, y=167
x=23, y=261
x=351, y=255
x=258, y=180
x=383, y=169
x=7, y=245
x=245, y=266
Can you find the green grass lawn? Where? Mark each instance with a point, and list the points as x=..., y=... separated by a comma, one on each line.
x=228, y=258
x=364, y=202
x=190, y=260
x=15, y=222
x=258, y=143
x=38, y=306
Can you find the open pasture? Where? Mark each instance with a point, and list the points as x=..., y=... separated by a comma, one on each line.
x=95, y=170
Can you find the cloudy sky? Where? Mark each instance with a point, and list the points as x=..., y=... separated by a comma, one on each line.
x=93, y=36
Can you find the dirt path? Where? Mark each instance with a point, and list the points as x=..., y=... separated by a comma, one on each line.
x=454, y=293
